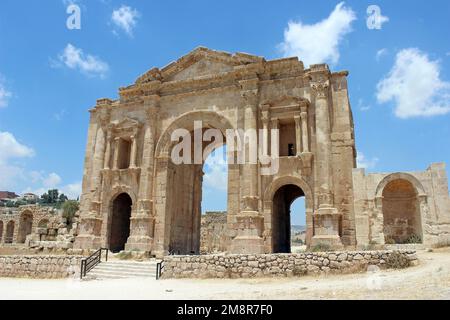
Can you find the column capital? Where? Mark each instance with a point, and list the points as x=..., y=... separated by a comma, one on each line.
x=320, y=88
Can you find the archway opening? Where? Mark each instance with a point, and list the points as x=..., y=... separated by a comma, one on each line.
x=1, y=231
x=25, y=226
x=120, y=222
x=185, y=183
x=9, y=237
x=282, y=207
x=401, y=212
x=213, y=229
x=298, y=225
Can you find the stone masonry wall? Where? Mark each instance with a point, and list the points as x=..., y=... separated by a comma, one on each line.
x=40, y=267
x=213, y=233
x=276, y=265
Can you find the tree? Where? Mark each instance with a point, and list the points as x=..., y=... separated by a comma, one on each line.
x=70, y=208
x=62, y=198
x=52, y=197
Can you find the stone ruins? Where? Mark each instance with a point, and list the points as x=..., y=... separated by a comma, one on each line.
x=41, y=229
x=135, y=198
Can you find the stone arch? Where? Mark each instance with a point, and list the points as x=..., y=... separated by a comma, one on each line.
x=25, y=226
x=210, y=119
x=120, y=221
x=271, y=191
x=400, y=176
x=9, y=236
x=400, y=199
x=177, y=227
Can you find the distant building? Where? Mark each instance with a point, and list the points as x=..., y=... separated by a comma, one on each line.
x=30, y=197
x=6, y=196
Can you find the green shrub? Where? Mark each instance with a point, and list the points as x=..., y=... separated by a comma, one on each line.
x=414, y=239
x=389, y=240
x=396, y=260
x=125, y=255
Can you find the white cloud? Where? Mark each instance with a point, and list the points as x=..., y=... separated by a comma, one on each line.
x=74, y=58
x=216, y=171
x=4, y=94
x=72, y=191
x=52, y=181
x=381, y=53
x=365, y=163
x=414, y=84
x=125, y=18
x=318, y=43
x=11, y=150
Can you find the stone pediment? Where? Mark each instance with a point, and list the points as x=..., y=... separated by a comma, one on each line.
x=127, y=126
x=201, y=62
x=286, y=101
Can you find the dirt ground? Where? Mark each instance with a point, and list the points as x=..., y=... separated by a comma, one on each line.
x=429, y=280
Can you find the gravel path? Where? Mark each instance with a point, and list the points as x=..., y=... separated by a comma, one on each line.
x=429, y=280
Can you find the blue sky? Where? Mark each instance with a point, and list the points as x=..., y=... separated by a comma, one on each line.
x=50, y=76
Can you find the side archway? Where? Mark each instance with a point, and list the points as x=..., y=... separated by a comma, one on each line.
x=9, y=236
x=120, y=221
x=25, y=226
x=400, y=204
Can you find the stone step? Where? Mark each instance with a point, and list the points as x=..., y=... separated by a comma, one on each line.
x=100, y=273
x=123, y=270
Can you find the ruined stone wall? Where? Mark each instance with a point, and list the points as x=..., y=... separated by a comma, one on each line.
x=48, y=229
x=214, y=236
x=40, y=267
x=429, y=204
x=276, y=265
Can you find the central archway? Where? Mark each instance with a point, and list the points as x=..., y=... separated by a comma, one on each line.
x=25, y=226
x=179, y=220
x=120, y=222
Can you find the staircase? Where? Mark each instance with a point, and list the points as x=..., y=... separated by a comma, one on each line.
x=123, y=270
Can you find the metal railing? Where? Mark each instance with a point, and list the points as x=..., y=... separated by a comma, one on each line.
x=92, y=261
x=159, y=269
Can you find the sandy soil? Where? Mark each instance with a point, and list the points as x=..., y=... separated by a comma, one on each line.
x=429, y=280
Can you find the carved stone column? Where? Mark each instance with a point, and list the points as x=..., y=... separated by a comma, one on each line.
x=107, y=152
x=133, y=164
x=116, y=153
x=91, y=223
x=143, y=220
x=305, y=135
x=327, y=219
x=250, y=222
x=298, y=135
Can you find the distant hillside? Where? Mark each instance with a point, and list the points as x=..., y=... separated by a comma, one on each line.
x=296, y=229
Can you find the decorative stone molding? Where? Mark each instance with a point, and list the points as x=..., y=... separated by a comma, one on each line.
x=320, y=89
